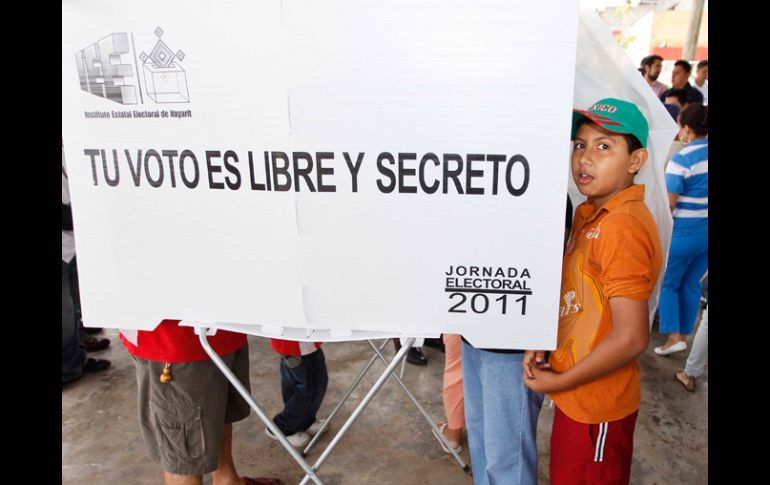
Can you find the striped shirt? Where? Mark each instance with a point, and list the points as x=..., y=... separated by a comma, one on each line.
x=687, y=174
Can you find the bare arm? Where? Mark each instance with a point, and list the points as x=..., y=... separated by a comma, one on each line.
x=629, y=338
x=672, y=198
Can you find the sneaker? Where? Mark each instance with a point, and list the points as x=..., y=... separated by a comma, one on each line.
x=297, y=440
x=92, y=344
x=315, y=427
x=677, y=347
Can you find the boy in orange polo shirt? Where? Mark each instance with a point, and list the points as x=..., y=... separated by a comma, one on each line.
x=610, y=268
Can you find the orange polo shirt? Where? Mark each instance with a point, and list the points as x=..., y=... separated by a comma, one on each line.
x=614, y=251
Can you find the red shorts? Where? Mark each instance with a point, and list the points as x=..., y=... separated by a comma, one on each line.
x=591, y=453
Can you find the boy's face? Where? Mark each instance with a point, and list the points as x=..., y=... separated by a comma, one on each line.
x=601, y=164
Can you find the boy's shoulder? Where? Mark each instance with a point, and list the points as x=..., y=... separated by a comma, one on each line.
x=630, y=216
x=632, y=220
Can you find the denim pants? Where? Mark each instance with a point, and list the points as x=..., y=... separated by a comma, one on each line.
x=501, y=417
x=680, y=294
x=303, y=386
x=73, y=355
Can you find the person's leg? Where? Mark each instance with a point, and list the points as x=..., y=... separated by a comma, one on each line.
x=183, y=421
x=320, y=381
x=75, y=285
x=296, y=410
x=287, y=381
x=436, y=343
x=90, y=343
x=453, y=389
x=169, y=417
x=668, y=307
x=570, y=450
x=237, y=409
x=225, y=473
x=598, y=453
x=72, y=354
x=690, y=292
x=413, y=356
x=75, y=289
x=511, y=410
x=171, y=479
x=474, y=412
x=700, y=348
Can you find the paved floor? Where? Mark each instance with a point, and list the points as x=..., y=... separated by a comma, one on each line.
x=390, y=444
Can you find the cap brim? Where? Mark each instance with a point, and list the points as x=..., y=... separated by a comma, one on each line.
x=603, y=121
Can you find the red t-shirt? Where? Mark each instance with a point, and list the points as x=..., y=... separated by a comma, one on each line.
x=292, y=347
x=170, y=342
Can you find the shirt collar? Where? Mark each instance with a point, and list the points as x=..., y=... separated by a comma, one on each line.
x=631, y=194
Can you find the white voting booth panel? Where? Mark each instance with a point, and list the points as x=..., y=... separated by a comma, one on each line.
x=604, y=70
x=321, y=170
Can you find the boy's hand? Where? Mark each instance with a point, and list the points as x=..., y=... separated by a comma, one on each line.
x=534, y=357
x=545, y=380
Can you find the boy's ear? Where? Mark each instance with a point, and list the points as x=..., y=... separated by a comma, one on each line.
x=638, y=159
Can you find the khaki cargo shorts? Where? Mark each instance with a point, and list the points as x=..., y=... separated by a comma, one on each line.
x=182, y=421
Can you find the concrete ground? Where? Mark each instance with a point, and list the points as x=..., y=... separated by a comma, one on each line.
x=389, y=444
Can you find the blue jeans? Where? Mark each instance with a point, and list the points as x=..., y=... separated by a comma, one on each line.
x=303, y=386
x=681, y=291
x=501, y=416
x=73, y=355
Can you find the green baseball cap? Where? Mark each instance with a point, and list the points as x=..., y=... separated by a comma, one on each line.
x=615, y=115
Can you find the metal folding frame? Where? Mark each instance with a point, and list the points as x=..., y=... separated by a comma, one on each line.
x=311, y=471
